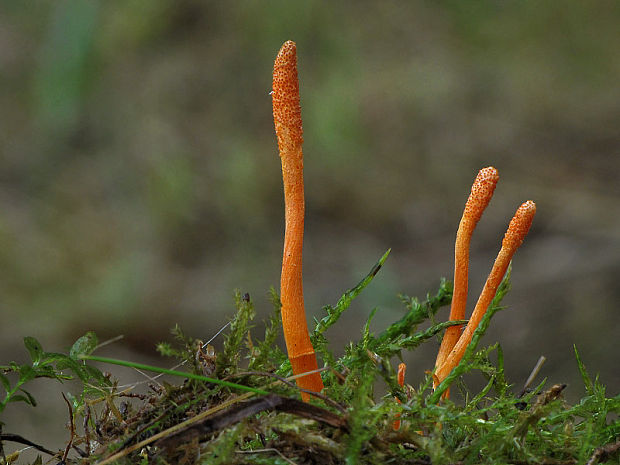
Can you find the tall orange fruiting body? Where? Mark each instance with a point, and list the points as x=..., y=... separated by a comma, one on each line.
x=287, y=120
x=517, y=230
x=479, y=198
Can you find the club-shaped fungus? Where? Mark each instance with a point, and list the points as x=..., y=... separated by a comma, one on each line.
x=287, y=120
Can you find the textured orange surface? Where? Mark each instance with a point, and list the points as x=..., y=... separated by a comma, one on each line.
x=479, y=198
x=517, y=230
x=285, y=98
x=287, y=121
x=519, y=226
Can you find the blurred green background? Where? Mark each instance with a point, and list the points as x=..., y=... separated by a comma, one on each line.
x=140, y=181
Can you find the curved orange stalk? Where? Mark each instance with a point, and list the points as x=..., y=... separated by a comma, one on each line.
x=480, y=196
x=402, y=368
x=517, y=230
x=287, y=120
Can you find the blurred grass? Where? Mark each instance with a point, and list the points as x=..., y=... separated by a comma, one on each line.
x=139, y=177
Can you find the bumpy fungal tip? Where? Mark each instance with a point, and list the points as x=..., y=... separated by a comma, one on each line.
x=519, y=225
x=487, y=175
x=481, y=192
x=285, y=97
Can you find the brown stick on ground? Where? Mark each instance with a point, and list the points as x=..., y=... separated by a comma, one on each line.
x=287, y=120
x=517, y=230
x=480, y=196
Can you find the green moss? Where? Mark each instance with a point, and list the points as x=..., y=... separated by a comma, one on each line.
x=351, y=423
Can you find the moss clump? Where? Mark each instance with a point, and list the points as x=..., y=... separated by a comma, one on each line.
x=201, y=420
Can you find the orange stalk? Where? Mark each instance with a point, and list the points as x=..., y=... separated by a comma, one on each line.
x=479, y=198
x=287, y=120
x=401, y=382
x=517, y=230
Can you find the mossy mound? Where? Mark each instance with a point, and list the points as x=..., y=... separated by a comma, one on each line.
x=209, y=419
